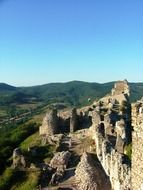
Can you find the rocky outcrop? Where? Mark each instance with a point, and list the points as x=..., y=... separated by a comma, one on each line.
x=18, y=159
x=50, y=124
x=52, y=139
x=60, y=159
x=59, y=162
x=57, y=176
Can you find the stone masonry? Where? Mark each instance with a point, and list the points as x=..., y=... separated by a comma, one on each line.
x=73, y=120
x=121, y=87
x=137, y=146
x=113, y=163
x=50, y=123
x=110, y=129
x=90, y=175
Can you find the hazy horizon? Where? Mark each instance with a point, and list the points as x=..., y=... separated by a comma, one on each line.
x=58, y=41
x=68, y=82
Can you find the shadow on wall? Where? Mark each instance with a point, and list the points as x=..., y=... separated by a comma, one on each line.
x=83, y=122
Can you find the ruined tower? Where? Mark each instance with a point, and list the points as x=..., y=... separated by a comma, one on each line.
x=73, y=120
x=121, y=87
x=50, y=123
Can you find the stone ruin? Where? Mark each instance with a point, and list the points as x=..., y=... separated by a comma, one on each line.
x=113, y=162
x=57, y=123
x=53, y=124
x=137, y=146
x=121, y=136
x=121, y=87
x=19, y=160
x=59, y=162
x=86, y=175
x=60, y=159
x=90, y=175
x=110, y=129
x=119, y=94
x=73, y=121
x=50, y=123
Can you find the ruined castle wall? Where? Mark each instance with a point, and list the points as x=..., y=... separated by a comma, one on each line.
x=50, y=124
x=121, y=87
x=113, y=163
x=89, y=174
x=137, y=148
x=73, y=120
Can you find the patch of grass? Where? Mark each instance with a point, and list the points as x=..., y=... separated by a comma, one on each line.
x=33, y=140
x=128, y=150
x=29, y=105
x=42, y=152
x=7, y=178
x=38, y=117
x=30, y=182
x=11, y=139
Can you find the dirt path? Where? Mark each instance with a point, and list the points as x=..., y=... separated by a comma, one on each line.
x=77, y=145
x=73, y=144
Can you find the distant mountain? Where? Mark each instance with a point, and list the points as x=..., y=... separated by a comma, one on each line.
x=11, y=94
x=136, y=90
x=5, y=87
x=73, y=93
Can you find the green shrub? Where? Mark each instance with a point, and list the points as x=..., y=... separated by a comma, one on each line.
x=33, y=140
x=6, y=179
x=128, y=150
x=12, y=139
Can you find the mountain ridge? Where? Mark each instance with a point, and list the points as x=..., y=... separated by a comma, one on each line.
x=72, y=92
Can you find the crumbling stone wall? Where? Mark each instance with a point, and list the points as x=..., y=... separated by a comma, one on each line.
x=111, y=155
x=56, y=123
x=110, y=129
x=73, y=120
x=121, y=136
x=121, y=87
x=113, y=163
x=137, y=146
x=90, y=175
x=106, y=122
x=50, y=123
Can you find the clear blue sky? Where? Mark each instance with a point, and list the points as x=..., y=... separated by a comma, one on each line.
x=44, y=41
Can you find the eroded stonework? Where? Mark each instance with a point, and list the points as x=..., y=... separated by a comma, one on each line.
x=108, y=122
x=19, y=161
x=137, y=146
x=89, y=175
x=121, y=87
x=50, y=123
